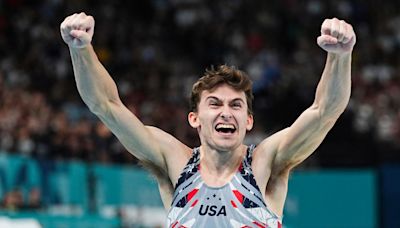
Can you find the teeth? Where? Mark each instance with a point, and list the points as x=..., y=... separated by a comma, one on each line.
x=225, y=126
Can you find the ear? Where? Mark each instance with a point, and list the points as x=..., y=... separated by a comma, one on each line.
x=193, y=120
x=250, y=122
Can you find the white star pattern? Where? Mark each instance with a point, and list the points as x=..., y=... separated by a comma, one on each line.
x=246, y=171
x=190, y=168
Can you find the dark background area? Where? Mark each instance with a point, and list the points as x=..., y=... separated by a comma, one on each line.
x=156, y=49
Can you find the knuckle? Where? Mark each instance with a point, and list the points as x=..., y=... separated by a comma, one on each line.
x=82, y=15
x=325, y=25
x=325, y=29
x=67, y=25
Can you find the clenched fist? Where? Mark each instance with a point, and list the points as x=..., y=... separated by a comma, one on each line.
x=77, y=30
x=337, y=36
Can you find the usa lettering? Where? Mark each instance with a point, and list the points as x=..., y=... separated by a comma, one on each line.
x=212, y=210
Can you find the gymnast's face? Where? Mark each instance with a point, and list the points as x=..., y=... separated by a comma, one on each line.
x=222, y=118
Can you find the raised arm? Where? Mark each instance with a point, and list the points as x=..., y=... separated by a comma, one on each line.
x=297, y=142
x=100, y=94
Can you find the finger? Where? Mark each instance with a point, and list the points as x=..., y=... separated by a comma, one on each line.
x=81, y=35
x=326, y=27
x=326, y=40
x=82, y=22
x=68, y=25
x=349, y=34
x=82, y=14
x=335, y=27
x=75, y=22
x=88, y=25
x=80, y=18
x=65, y=26
x=342, y=31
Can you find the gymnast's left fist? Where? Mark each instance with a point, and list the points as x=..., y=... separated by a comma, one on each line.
x=337, y=36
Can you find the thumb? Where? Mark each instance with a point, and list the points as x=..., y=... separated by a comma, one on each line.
x=326, y=39
x=83, y=36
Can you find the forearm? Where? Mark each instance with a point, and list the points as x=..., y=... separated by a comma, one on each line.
x=302, y=138
x=94, y=84
x=333, y=91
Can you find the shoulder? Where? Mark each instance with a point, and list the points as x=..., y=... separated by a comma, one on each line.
x=169, y=144
x=264, y=155
x=176, y=154
x=267, y=149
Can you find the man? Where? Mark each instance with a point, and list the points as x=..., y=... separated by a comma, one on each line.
x=222, y=183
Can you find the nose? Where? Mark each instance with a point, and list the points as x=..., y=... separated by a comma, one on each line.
x=226, y=114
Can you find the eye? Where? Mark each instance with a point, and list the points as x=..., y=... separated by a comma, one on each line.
x=237, y=105
x=214, y=104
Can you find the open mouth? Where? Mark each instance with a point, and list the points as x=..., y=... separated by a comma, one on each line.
x=225, y=128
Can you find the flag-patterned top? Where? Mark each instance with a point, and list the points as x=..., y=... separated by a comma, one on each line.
x=238, y=203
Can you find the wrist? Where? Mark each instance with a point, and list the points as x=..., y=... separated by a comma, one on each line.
x=85, y=53
x=80, y=50
x=337, y=56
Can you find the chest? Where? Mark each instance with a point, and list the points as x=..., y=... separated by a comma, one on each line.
x=237, y=203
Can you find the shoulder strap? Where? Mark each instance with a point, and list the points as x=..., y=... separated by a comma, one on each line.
x=245, y=169
x=191, y=167
x=249, y=156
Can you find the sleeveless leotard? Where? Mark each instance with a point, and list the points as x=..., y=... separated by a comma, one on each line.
x=238, y=203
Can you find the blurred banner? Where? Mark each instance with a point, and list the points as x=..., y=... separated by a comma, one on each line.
x=321, y=198
x=68, y=183
x=332, y=198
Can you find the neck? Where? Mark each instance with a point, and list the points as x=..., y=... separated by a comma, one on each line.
x=221, y=163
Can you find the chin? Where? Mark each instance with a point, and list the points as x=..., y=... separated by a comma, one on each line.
x=215, y=141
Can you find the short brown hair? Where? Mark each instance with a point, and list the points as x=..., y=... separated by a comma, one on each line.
x=223, y=74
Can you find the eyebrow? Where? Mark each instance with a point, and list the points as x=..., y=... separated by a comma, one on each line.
x=212, y=98
x=234, y=100
x=237, y=99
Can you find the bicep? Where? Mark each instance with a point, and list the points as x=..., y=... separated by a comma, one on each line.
x=147, y=144
x=301, y=139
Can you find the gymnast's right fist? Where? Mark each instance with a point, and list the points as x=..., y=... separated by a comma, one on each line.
x=77, y=30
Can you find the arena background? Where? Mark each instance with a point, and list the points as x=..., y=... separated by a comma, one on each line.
x=60, y=167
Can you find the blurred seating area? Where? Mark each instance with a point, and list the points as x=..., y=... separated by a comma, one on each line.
x=156, y=49
x=79, y=194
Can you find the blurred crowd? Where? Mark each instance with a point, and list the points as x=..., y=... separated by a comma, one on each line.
x=15, y=200
x=156, y=49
